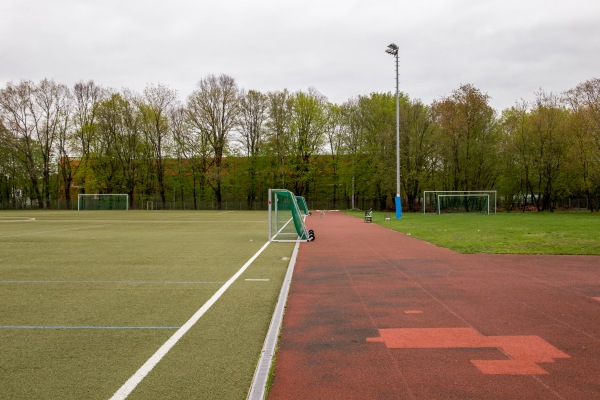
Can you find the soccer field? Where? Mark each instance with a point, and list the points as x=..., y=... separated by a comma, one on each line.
x=86, y=298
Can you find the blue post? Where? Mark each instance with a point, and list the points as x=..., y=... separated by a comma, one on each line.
x=398, y=207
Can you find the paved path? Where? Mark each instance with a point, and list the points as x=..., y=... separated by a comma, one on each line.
x=374, y=314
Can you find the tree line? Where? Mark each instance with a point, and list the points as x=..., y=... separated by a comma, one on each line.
x=224, y=143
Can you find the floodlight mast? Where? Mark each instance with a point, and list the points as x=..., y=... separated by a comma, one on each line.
x=393, y=50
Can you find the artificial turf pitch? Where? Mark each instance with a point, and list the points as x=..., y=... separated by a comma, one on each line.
x=87, y=297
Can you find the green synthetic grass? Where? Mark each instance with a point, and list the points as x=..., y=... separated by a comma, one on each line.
x=106, y=269
x=504, y=233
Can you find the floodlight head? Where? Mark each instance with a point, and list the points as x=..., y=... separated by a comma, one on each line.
x=392, y=49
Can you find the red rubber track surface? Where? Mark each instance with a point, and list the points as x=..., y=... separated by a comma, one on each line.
x=376, y=314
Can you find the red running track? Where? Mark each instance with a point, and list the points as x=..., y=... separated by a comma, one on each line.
x=375, y=314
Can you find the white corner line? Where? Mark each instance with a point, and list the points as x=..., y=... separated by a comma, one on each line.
x=141, y=373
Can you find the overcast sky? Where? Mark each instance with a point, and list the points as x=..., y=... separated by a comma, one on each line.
x=508, y=49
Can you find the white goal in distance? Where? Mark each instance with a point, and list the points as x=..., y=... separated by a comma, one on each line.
x=103, y=202
x=481, y=201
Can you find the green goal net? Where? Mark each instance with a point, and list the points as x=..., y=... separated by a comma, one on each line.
x=103, y=202
x=455, y=201
x=302, y=205
x=286, y=223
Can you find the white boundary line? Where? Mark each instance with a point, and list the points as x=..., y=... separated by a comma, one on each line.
x=119, y=282
x=16, y=219
x=54, y=230
x=261, y=374
x=141, y=373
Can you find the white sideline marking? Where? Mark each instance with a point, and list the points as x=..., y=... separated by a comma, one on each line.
x=141, y=373
x=256, y=280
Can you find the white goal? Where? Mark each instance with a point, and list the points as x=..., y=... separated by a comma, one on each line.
x=102, y=202
x=454, y=201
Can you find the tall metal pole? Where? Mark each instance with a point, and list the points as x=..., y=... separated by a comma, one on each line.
x=398, y=198
x=393, y=50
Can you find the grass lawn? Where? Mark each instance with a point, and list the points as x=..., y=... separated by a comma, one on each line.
x=503, y=233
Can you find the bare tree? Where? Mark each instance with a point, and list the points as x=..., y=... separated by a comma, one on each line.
x=213, y=109
x=155, y=107
x=336, y=133
x=278, y=131
x=65, y=147
x=183, y=149
x=252, y=117
x=35, y=115
x=50, y=110
x=86, y=96
x=18, y=119
x=584, y=101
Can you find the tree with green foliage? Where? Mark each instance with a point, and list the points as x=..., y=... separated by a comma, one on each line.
x=377, y=164
x=307, y=129
x=418, y=161
x=548, y=135
x=228, y=146
x=468, y=136
x=353, y=141
x=536, y=151
x=517, y=159
x=110, y=158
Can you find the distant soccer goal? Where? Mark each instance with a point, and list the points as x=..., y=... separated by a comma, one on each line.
x=103, y=202
x=286, y=223
x=452, y=201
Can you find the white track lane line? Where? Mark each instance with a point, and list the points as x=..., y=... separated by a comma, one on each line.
x=136, y=378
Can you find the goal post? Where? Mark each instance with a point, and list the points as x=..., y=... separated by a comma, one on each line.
x=286, y=223
x=99, y=201
x=445, y=201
